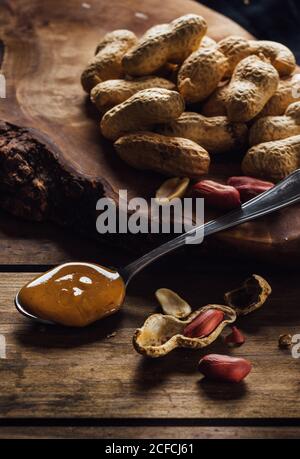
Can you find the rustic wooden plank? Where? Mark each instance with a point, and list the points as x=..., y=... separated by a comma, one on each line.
x=27, y=243
x=24, y=244
x=166, y=432
x=57, y=372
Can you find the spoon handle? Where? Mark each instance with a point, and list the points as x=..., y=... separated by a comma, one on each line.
x=285, y=193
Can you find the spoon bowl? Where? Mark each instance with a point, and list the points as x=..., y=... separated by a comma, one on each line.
x=29, y=315
x=74, y=294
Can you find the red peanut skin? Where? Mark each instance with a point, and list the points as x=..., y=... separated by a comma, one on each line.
x=224, y=197
x=249, y=187
x=204, y=324
x=245, y=180
x=224, y=368
x=235, y=337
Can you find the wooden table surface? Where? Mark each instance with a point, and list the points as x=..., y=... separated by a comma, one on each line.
x=86, y=383
x=57, y=382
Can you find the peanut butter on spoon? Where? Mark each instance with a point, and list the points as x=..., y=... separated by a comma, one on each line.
x=74, y=294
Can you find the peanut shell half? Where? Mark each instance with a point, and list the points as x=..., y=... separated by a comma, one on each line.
x=250, y=296
x=172, y=304
x=172, y=188
x=160, y=333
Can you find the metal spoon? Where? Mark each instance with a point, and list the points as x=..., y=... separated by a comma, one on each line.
x=285, y=193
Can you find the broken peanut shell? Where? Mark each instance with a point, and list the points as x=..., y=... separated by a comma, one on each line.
x=285, y=341
x=250, y=296
x=160, y=333
x=172, y=304
x=172, y=188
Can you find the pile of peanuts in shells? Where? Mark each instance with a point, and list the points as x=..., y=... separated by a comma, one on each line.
x=243, y=94
x=175, y=99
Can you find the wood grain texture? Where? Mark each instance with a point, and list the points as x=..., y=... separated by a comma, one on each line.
x=54, y=372
x=152, y=433
x=46, y=46
x=24, y=243
x=57, y=373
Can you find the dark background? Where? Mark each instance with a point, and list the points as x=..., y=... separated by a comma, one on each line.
x=277, y=20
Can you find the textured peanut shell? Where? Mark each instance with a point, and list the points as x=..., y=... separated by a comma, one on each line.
x=107, y=94
x=250, y=296
x=215, y=105
x=168, y=71
x=237, y=48
x=160, y=333
x=207, y=42
x=201, y=73
x=171, y=156
x=107, y=62
x=280, y=56
x=253, y=83
x=272, y=128
x=273, y=160
x=165, y=43
x=141, y=111
x=283, y=97
x=215, y=134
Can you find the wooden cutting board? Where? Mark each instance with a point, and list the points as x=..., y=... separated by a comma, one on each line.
x=59, y=166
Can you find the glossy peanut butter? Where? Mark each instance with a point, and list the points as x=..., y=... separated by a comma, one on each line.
x=74, y=294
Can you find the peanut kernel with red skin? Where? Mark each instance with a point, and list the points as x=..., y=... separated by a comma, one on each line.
x=249, y=187
x=204, y=324
x=224, y=368
x=224, y=197
x=235, y=337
